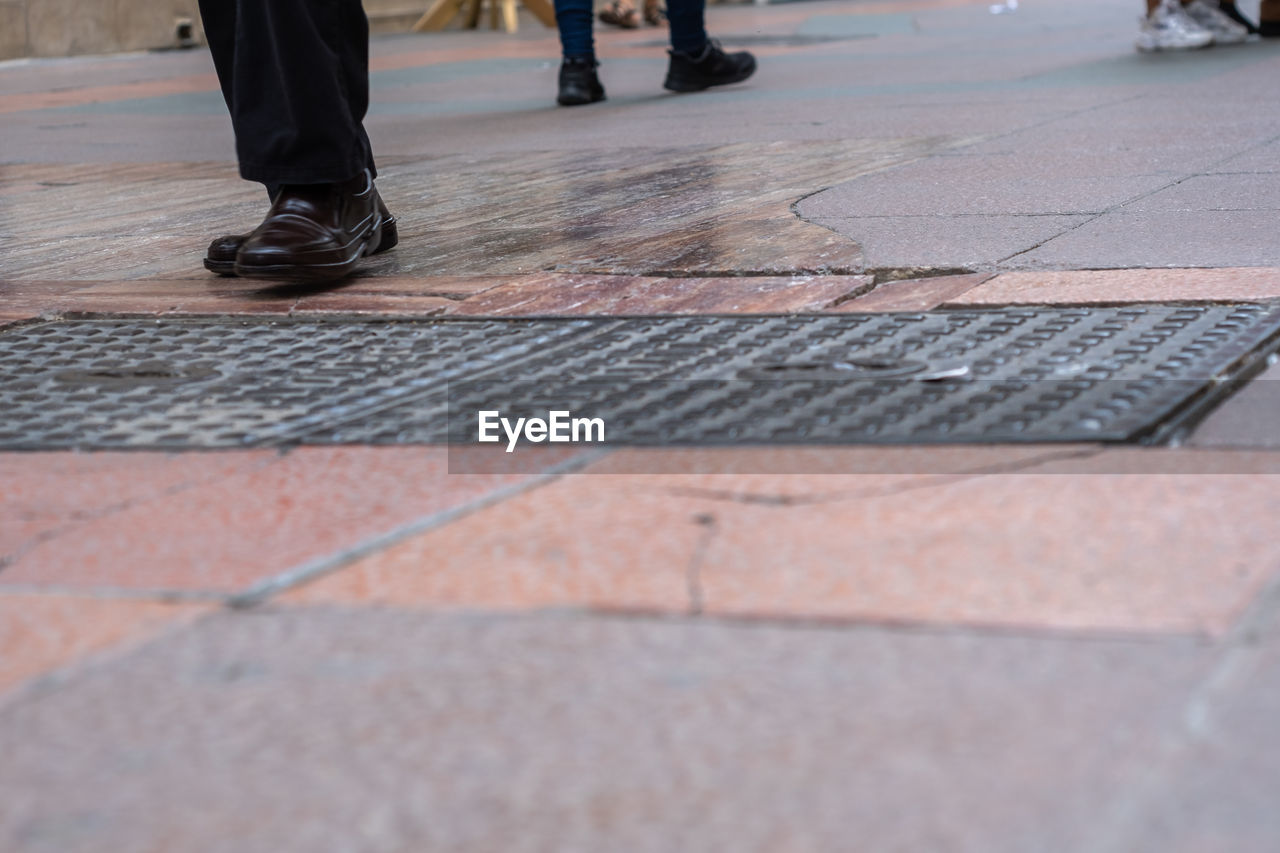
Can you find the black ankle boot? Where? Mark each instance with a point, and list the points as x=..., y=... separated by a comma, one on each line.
x=713, y=67
x=578, y=82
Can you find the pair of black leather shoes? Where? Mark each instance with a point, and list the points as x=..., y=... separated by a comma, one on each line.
x=579, y=83
x=311, y=233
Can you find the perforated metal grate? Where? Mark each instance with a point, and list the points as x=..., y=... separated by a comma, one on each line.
x=138, y=383
x=1043, y=374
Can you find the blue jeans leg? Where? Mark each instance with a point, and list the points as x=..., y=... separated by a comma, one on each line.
x=574, y=19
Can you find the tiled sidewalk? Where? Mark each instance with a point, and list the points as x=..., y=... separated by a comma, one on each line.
x=960, y=648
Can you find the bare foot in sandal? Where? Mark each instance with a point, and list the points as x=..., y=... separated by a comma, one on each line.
x=620, y=13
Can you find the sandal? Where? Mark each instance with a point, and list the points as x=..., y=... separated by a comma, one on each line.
x=620, y=13
x=653, y=14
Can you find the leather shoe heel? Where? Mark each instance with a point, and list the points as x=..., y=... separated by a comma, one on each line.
x=390, y=234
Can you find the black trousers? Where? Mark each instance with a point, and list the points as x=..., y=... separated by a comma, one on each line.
x=295, y=75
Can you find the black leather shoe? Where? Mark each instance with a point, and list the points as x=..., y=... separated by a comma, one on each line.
x=220, y=257
x=579, y=83
x=314, y=232
x=713, y=67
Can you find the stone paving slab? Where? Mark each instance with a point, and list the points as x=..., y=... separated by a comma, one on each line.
x=1077, y=544
x=382, y=730
x=915, y=294
x=1229, y=238
x=41, y=633
x=1110, y=287
x=616, y=295
x=1251, y=418
x=1244, y=191
x=1259, y=160
x=591, y=542
x=215, y=524
x=1212, y=792
x=950, y=242
x=627, y=533
x=1104, y=552
x=994, y=185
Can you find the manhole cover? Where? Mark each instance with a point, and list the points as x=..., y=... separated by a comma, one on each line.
x=1045, y=374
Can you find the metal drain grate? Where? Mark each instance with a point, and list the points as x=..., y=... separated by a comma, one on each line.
x=139, y=383
x=1046, y=374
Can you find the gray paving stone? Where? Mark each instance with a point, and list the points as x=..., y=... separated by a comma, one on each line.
x=993, y=185
x=1218, y=793
x=1260, y=158
x=1161, y=239
x=962, y=242
x=376, y=730
x=1215, y=192
x=1251, y=418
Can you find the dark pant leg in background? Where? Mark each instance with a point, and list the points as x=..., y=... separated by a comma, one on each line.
x=573, y=17
x=688, y=26
x=295, y=75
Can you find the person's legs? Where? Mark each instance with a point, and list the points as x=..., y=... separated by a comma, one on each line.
x=578, y=81
x=298, y=87
x=1233, y=12
x=219, y=20
x=295, y=77
x=573, y=17
x=687, y=19
x=697, y=62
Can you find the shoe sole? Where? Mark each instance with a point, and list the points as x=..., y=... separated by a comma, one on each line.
x=227, y=269
x=1141, y=48
x=680, y=85
x=390, y=237
x=578, y=102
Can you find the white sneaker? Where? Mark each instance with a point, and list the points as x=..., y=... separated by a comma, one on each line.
x=1216, y=21
x=1169, y=27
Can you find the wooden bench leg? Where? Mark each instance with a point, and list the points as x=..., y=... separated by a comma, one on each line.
x=473, y=13
x=542, y=10
x=509, y=21
x=437, y=16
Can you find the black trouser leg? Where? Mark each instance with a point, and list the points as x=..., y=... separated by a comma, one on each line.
x=295, y=75
x=688, y=30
